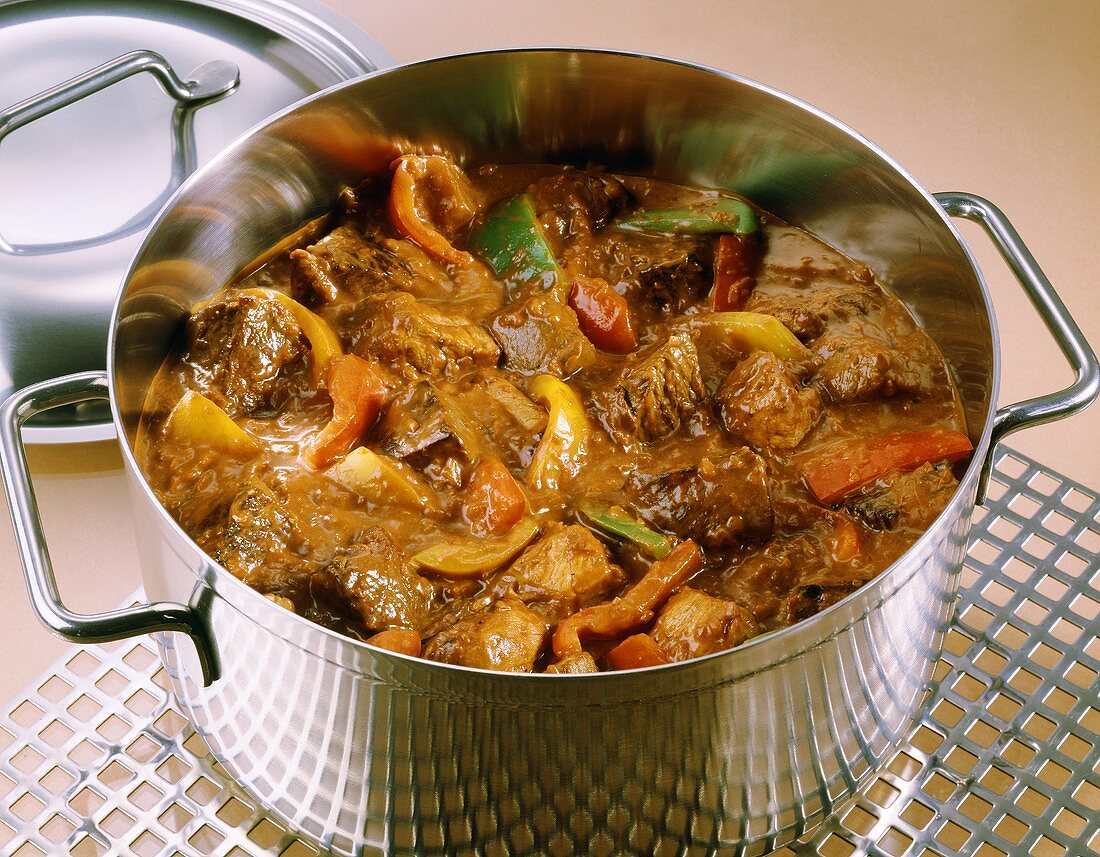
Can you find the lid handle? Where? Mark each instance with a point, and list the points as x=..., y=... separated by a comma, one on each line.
x=208, y=82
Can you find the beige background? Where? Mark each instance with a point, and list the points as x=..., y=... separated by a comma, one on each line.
x=997, y=98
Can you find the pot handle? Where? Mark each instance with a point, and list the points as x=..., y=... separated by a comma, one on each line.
x=1077, y=351
x=35, y=558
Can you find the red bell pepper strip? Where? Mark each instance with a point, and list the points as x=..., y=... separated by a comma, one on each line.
x=357, y=392
x=604, y=315
x=846, y=467
x=636, y=652
x=493, y=503
x=634, y=607
x=400, y=640
x=430, y=196
x=733, y=280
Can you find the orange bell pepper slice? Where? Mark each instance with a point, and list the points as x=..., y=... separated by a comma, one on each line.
x=357, y=394
x=493, y=503
x=430, y=197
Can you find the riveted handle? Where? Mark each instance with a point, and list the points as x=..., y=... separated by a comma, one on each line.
x=37, y=568
x=207, y=83
x=1077, y=351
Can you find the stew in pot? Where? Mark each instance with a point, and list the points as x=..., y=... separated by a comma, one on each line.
x=536, y=418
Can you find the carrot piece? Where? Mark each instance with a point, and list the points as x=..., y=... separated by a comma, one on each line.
x=357, y=391
x=634, y=607
x=843, y=542
x=426, y=188
x=636, y=652
x=494, y=503
x=400, y=640
x=846, y=467
x=733, y=280
x=604, y=315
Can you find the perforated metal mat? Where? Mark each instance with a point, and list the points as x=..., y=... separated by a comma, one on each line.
x=96, y=758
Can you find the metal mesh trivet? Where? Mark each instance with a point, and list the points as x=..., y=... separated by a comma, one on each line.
x=96, y=759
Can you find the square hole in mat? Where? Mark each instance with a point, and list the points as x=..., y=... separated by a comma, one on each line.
x=28, y=849
x=1032, y=802
x=161, y=679
x=146, y=796
x=1051, y=587
x=1003, y=528
x=1068, y=822
x=1024, y=681
x=969, y=687
x=142, y=749
x=926, y=740
x=1081, y=675
x=1044, y=483
x=1076, y=748
x=975, y=808
x=983, y=552
x=170, y=723
x=997, y=593
x=1010, y=465
x=1011, y=638
x=83, y=663
x=957, y=642
x=1019, y=570
x=56, y=780
x=206, y=839
x=1037, y=546
x=26, y=714
x=203, y=790
x=84, y=708
x=836, y=846
x=115, y=775
x=893, y=841
x=173, y=769
x=112, y=683
x=28, y=759
x=266, y=833
x=139, y=658
x=917, y=814
x=56, y=733
x=6, y=785
x=1078, y=501
x=113, y=728
x=86, y=754
x=196, y=746
x=117, y=823
x=982, y=734
x=1057, y=523
x=882, y=793
x=859, y=821
x=147, y=844
x=996, y=780
x=55, y=688
x=1039, y=727
x=1054, y=774
x=300, y=849
x=990, y=662
x=58, y=829
x=142, y=703
x=86, y=802
x=1085, y=607
x=89, y=847
x=987, y=850
x=976, y=618
x=904, y=766
x=939, y=787
x=1024, y=506
x=176, y=817
x=953, y=836
x=1011, y=829
x=947, y=713
x=1066, y=632
x=1089, y=540
x=27, y=807
x=1071, y=564
x=1045, y=656
x=234, y=812
x=961, y=761
x=1030, y=612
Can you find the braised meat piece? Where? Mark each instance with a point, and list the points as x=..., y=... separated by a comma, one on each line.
x=763, y=403
x=718, y=503
x=346, y=263
x=809, y=599
x=904, y=498
x=425, y=427
x=573, y=202
x=808, y=313
x=508, y=636
x=541, y=334
x=693, y=623
x=566, y=569
x=245, y=352
x=255, y=542
x=858, y=369
x=376, y=581
x=418, y=340
x=656, y=391
x=674, y=275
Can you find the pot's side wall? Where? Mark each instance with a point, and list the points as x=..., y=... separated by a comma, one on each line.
x=405, y=757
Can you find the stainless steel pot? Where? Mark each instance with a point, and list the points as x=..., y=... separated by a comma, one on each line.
x=375, y=752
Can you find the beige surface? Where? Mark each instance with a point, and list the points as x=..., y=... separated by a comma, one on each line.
x=996, y=98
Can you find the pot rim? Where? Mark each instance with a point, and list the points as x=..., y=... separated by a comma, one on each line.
x=874, y=591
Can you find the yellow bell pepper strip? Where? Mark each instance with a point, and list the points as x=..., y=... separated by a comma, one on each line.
x=197, y=422
x=845, y=467
x=712, y=216
x=357, y=392
x=512, y=243
x=476, y=557
x=323, y=340
x=635, y=607
x=381, y=479
x=564, y=443
x=753, y=331
x=427, y=190
x=615, y=522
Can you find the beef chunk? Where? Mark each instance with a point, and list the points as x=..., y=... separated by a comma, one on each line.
x=907, y=499
x=245, y=351
x=353, y=265
x=567, y=568
x=575, y=664
x=419, y=340
x=809, y=599
x=675, y=274
x=860, y=369
x=719, y=503
x=524, y=412
x=425, y=427
x=807, y=314
x=541, y=334
x=657, y=390
x=762, y=402
x=577, y=202
x=375, y=579
x=508, y=636
x=693, y=623
x=257, y=534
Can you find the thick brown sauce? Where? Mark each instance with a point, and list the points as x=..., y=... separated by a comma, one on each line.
x=197, y=485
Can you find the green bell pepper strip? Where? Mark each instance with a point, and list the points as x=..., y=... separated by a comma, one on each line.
x=511, y=242
x=617, y=523
x=712, y=216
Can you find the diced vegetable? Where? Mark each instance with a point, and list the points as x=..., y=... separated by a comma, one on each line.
x=383, y=480
x=493, y=503
x=427, y=190
x=634, y=607
x=563, y=445
x=399, y=640
x=323, y=340
x=753, y=331
x=843, y=543
x=195, y=421
x=512, y=243
x=715, y=215
x=477, y=557
x=733, y=280
x=635, y=652
x=357, y=392
x=604, y=315
x=614, y=521
x=845, y=467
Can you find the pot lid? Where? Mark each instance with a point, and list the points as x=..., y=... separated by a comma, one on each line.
x=104, y=109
